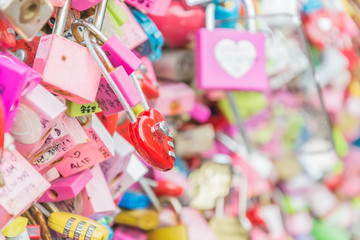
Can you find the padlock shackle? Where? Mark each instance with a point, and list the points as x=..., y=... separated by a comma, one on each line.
x=243, y=201
x=100, y=14
x=106, y=74
x=210, y=17
x=61, y=17
x=250, y=13
x=90, y=27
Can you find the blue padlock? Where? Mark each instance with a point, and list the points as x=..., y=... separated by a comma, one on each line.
x=312, y=6
x=134, y=200
x=152, y=47
x=227, y=9
x=181, y=166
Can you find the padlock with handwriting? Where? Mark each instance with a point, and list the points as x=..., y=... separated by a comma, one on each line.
x=23, y=186
x=26, y=17
x=81, y=79
x=67, y=135
x=23, y=80
x=37, y=114
x=99, y=149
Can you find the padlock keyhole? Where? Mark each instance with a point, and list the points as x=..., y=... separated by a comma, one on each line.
x=53, y=194
x=29, y=10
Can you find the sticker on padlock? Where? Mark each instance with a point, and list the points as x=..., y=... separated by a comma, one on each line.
x=26, y=17
x=152, y=7
x=56, y=53
x=67, y=135
x=67, y=188
x=99, y=149
x=76, y=110
x=20, y=190
x=25, y=79
x=95, y=199
x=247, y=61
x=37, y=114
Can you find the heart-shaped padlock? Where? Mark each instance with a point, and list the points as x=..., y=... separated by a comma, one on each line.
x=152, y=139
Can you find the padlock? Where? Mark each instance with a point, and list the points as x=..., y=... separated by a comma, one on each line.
x=200, y=112
x=188, y=141
x=27, y=48
x=39, y=218
x=34, y=232
x=109, y=122
x=152, y=47
x=168, y=188
x=322, y=230
x=25, y=79
x=81, y=82
x=99, y=149
x=82, y=5
x=156, y=151
x=127, y=233
x=95, y=199
x=20, y=190
x=225, y=10
x=74, y=226
x=152, y=7
x=67, y=188
x=150, y=89
x=175, y=99
x=26, y=17
x=184, y=22
x=16, y=228
x=76, y=110
x=57, y=3
x=37, y=114
x=133, y=34
x=144, y=219
x=247, y=61
x=179, y=231
x=7, y=40
x=52, y=175
x=176, y=65
x=67, y=135
x=299, y=224
x=134, y=200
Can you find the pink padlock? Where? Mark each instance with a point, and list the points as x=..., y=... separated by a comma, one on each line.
x=67, y=135
x=200, y=112
x=57, y=3
x=95, y=199
x=132, y=171
x=23, y=79
x=133, y=34
x=197, y=227
x=99, y=149
x=67, y=188
x=155, y=7
x=115, y=165
x=126, y=233
x=175, y=99
x=23, y=185
x=299, y=224
x=106, y=98
x=82, y=5
x=52, y=175
x=37, y=113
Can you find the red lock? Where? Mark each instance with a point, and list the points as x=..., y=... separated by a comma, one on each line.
x=7, y=40
x=33, y=231
x=110, y=122
x=123, y=129
x=167, y=188
x=149, y=88
x=30, y=48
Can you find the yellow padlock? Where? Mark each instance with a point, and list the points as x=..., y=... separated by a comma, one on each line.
x=144, y=219
x=178, y=232
x=77, y=110
x=16, y=227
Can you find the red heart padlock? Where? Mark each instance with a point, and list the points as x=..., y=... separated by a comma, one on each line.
x=150, y=90
x=167, y=188
x=110, y=122
x=152, y=139
x=178, y=25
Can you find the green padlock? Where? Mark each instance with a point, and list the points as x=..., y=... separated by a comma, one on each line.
x=117, y=16
x=76, y=110
x=324, y=231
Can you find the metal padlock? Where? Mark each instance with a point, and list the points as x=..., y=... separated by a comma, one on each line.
x=99, y=149
x=19, y=192
x=37, y=114
x=95, y=199
x=67, y=188
x=26, y=17
x=81, y=82
x=24, y=80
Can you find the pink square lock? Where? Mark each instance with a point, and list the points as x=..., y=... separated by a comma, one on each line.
x=126, y=233
x=120, y=55
x=71, y=74
x=106, y=98
x=133, y=34
x=37, y=113
x=95, y=198
x=67, y=135
x=115, y=165
x=82, y=5
x=236, y=62
x=175, y=99
x=154, y=7
x=67, y=188
x=23, y=185
x=57, y=3
x=16, y=79
x=99, y=149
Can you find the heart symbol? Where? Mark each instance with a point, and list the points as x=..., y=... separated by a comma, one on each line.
x=152, y=139
x=235, y=58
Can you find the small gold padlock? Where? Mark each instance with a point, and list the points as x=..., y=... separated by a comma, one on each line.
x=178, y=232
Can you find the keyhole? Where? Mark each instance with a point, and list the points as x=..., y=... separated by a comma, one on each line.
x=29, y=10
